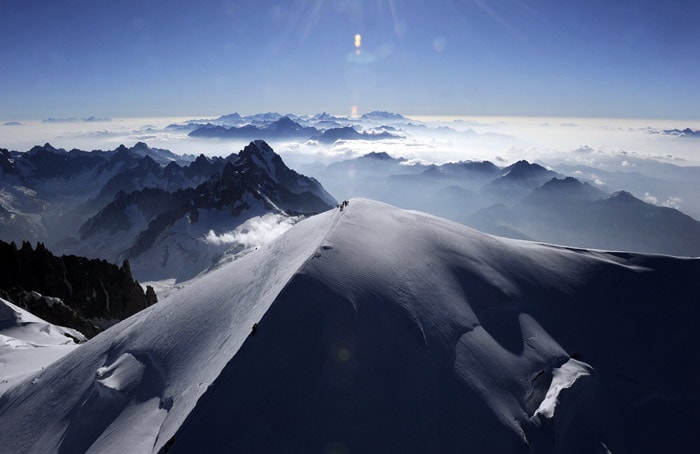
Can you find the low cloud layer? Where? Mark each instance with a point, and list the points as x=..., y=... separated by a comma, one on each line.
x=254, y=232
x=435, y=140
x=670, y=202
x=604, y=152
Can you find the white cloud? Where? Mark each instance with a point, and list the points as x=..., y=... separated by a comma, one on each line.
x=670, y=202
x=673, y=202
x=536, y=139
x=254, y=232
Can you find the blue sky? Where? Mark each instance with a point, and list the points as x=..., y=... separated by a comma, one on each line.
x=80, y=58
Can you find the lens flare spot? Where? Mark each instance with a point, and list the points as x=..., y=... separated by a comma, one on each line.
x=439, y=44
x=358, y=44
x=343, y=354
x=353, y=111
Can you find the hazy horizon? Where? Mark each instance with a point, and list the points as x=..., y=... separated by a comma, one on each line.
x=499, y=139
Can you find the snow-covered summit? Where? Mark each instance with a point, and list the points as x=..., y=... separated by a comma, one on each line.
x=370, y=328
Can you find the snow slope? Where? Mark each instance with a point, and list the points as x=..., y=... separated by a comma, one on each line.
x=385, y=330
x=28, y=344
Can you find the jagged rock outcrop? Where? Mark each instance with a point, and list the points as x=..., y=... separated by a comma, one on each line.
x=80, y=293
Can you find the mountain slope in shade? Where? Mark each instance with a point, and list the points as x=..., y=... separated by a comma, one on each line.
x=47, y=193
x=376, y=329
x=518, y=180
x=578, y=214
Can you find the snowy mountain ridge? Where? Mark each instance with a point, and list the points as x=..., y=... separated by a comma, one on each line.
x=415, y=333
x=164, y=234
x=47, y=193
x=117, y=204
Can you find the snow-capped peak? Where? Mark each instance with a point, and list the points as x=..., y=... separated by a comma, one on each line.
x=414, y=333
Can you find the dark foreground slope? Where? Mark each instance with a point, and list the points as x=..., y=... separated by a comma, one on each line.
x=383, y=330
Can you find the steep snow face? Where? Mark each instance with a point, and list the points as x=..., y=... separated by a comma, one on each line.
x=182, y=344
x=378, y=329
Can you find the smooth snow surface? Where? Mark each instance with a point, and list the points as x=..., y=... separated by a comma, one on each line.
x=381, y=330
x=28, y=344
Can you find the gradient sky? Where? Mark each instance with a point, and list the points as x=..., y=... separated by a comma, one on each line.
x=80, y=58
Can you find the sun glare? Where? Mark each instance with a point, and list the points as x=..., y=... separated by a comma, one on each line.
x=358, y=43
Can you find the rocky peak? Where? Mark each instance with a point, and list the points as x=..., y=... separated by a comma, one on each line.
x=286, y=122
x=88, y=289
x=46, y=148
x=524, y=169
x=148, y=164
x=258, y=155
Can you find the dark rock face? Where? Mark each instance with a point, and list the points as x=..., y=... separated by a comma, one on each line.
x=88, y=289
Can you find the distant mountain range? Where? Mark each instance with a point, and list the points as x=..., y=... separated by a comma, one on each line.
x=687, y=132
x=151, y=206
x=286, y=128
x=291, y=322
x=255, y=183
x=119, y=204
x=523, y=200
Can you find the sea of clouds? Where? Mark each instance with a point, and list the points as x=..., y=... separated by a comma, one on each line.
x=591, y=149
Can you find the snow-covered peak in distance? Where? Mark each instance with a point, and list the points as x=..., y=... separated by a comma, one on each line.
x=373, y=329
x=160, y=155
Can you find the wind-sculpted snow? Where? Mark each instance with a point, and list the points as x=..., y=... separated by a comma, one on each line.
x=28, y=344
x=372, y=329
